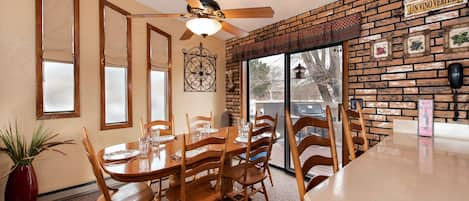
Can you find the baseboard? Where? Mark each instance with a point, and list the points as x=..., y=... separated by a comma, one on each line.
x=75, y=191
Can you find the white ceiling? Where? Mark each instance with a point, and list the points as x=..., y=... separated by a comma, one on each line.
x=283, y=9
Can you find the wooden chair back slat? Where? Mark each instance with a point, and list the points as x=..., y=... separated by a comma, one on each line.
x=349, y=123
x=354, y=114
x=301, y=170
x=201, y=168
x=198, y=122
x=259, y=125
x=262, y=118
x=201, y=179
x=309, y=122
x=260, y=131
x=315, y=160
x=205, y=142
x=266, y=121
x=204, y=157
x=91, y=154
x=165, y=127
x=355, y=127
x=207, y=160
x=313, y=140
x=200, y=118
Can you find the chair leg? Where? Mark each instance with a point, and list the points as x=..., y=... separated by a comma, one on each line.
x=270, y=176
x=265, y=191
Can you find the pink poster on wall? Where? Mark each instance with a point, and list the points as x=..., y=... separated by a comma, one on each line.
x=425, y=127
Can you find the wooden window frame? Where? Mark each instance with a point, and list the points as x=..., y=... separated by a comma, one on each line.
x=129, y=123
x=40, y=114
x=151, y=28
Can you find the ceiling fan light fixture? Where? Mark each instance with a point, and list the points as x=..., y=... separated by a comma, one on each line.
x=203, y=26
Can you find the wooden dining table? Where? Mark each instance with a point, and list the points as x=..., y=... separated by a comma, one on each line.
x=402, y=167
x=163, y=161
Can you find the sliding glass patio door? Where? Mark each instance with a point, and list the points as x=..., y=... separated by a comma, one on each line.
x=266, y=96
x=272, y=89
x=309, y=97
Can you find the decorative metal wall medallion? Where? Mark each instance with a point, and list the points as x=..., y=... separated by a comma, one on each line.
x=199, y=70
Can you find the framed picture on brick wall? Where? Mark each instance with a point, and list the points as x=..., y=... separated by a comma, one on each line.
x=381, y=49
x=457, y=38
x=417, y=44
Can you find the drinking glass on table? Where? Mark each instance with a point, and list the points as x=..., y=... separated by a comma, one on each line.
x=206, y=128
x=246, y=129
x=240, y=127
x=155, y=137
x=143, y=145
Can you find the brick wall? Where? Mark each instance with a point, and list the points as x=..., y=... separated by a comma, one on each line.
x=390, y=88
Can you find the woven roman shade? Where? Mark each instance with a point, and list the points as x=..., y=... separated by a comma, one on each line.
x=115, y=34
x=159, y=52
x=328, y=33
x=58, y=30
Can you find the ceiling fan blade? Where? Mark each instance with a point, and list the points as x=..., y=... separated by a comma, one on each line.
x=233, y=30
x=186, y=35
x=157, y=15
x=260, y=12
x=194, y=3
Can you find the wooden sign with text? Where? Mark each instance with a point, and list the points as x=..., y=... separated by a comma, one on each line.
x=415, y=7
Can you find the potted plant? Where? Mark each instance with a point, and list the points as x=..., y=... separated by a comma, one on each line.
x=22, y=182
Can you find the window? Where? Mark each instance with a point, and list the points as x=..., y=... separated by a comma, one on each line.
x=57, y=67
x=159, y=74
x=116, y=94
x=58, y=87
x=159, y=95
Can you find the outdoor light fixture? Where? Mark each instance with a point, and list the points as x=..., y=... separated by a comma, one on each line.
x=299, y=71
x=203, y=26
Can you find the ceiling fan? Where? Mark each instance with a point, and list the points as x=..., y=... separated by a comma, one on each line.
x=207, y=18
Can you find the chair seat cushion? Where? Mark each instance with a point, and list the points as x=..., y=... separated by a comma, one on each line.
x=253, y=158
x=254, y=174
x=199, y=192
x=132, y=192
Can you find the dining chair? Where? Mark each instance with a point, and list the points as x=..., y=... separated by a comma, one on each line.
x=253, y=170
x=265, y=121
x=301, y=170
x=354, y=122
x=196, y=122
x=201, y=166
x=165, y=128
x=131, y=191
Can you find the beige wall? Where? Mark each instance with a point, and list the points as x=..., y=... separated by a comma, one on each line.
x=17, y=87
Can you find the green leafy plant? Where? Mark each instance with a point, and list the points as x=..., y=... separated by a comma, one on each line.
x=15, y=145
x=461, y=38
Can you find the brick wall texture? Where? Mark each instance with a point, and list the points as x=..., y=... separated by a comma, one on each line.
x=390, y=88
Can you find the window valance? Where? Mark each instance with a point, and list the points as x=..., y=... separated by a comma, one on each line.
x=319, y=35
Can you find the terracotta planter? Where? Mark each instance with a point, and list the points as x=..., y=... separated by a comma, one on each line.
x=21, y=184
